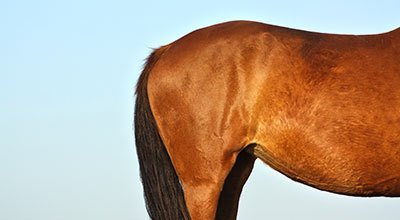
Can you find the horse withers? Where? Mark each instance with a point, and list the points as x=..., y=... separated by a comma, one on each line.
x=323, y=109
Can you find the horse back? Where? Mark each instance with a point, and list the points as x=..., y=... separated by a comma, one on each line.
x=322, y=109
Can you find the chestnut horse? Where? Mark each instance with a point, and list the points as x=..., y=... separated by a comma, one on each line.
x=323, y=109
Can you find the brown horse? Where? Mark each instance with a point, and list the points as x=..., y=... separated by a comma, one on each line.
x=322, y=109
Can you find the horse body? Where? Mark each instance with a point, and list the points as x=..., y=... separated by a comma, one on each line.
x=322, y=109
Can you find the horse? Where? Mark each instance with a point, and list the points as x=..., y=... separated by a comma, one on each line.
x=322, y=109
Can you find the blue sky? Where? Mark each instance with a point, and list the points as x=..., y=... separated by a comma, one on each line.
x=67, y=74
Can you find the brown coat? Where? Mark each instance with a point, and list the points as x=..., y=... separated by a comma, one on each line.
x=323, y=109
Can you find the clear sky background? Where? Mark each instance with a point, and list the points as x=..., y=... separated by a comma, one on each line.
x=67, y=75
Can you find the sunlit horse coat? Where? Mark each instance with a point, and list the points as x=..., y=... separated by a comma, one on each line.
x=322, y=109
